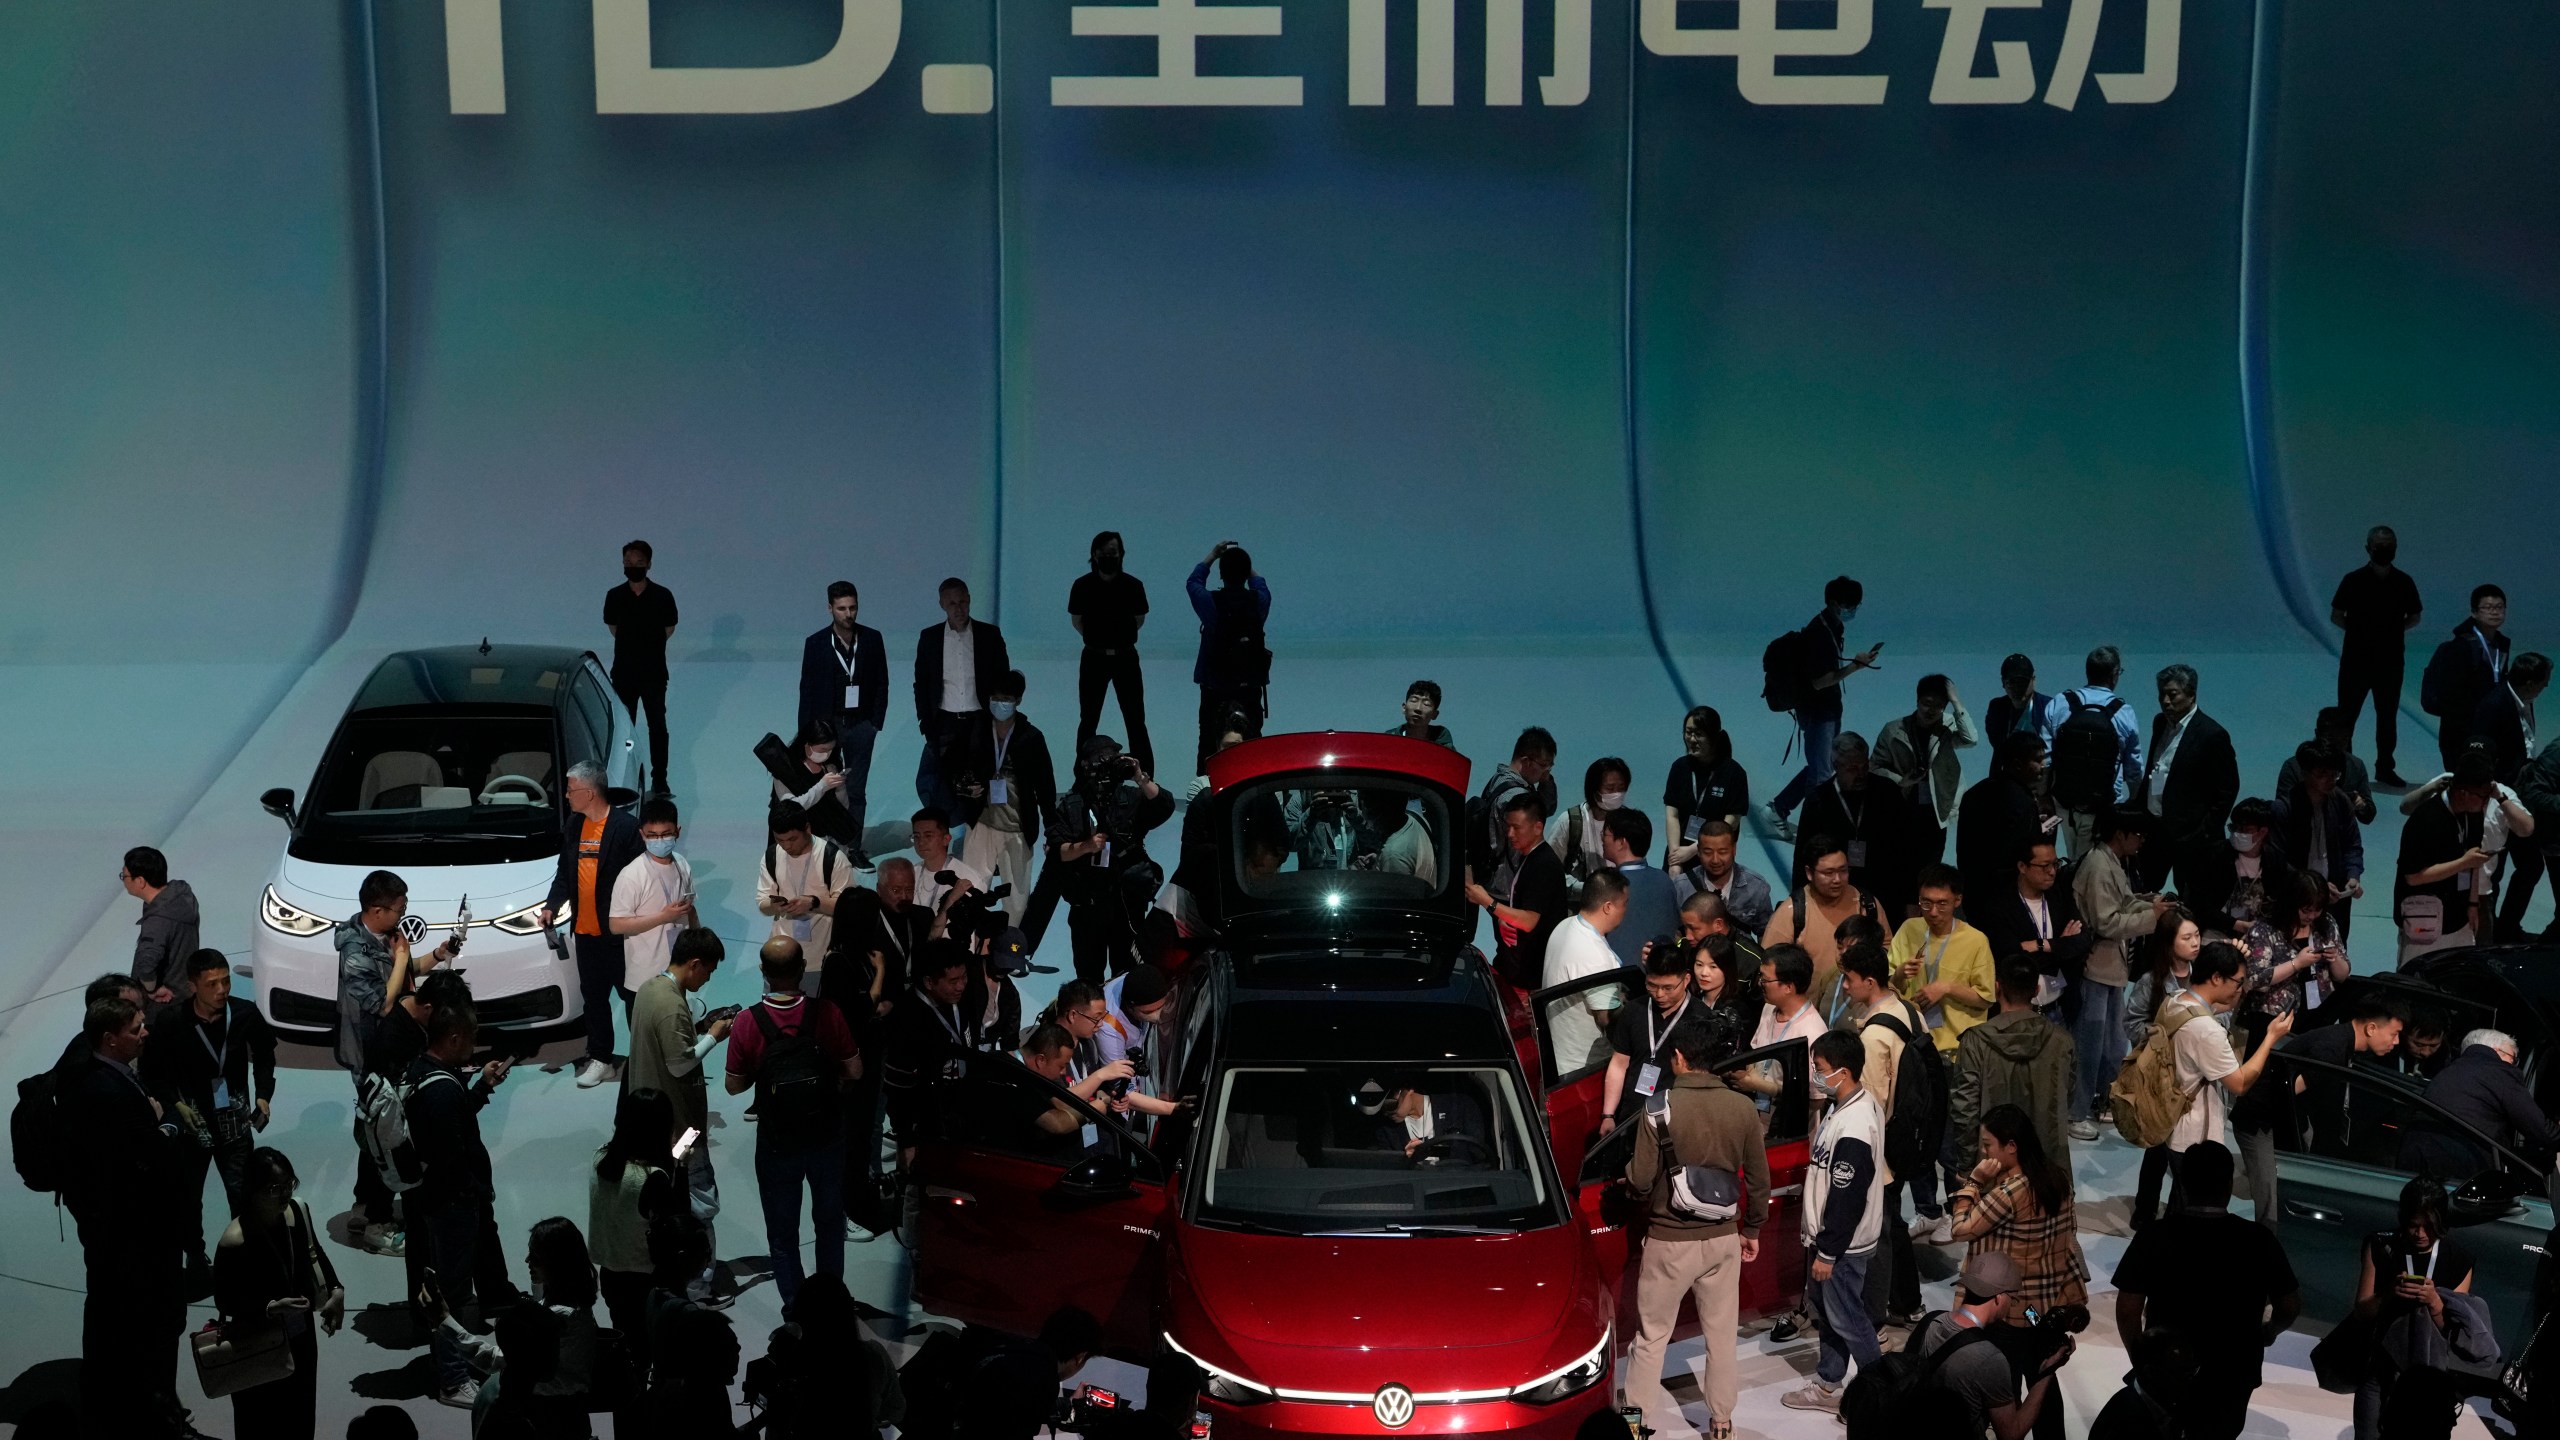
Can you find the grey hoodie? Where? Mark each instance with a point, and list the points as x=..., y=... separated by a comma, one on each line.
x=167, y=938
x=2019, y=1058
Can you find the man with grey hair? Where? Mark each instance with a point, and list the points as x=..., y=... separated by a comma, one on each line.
x=2480, y=1091
x=597, y=842
x=2189, y=788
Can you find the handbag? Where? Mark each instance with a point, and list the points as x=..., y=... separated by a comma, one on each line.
x=240, y=1355
x=2340, y=1360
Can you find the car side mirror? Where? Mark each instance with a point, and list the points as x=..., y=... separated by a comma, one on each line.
x=2488, y=1196
x=621, y=797
x=1102, y=1175
x=279, y=803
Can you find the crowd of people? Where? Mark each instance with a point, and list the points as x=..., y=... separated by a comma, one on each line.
x=2120, y=939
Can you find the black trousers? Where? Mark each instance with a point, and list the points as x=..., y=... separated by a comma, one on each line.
x=1100, y=670
x=1217, y=702
x=649, y=695
x=188, y=1163
x=287, y=1409
x=599, y=982
x=2526, y=865
x=2378, y=676
x=130, y=1323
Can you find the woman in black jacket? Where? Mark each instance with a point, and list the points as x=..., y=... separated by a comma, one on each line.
x=271, y=1268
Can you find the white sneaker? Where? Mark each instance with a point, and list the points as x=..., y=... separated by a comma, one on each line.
x=595, y=1073
x=462, y=1396
x=1922, y=1227
x=1942, y=1231
x=2084, y=1129
x=1814, y=1396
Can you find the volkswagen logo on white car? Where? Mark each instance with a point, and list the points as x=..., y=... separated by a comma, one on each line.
x=1393, y=1407
x=413, y=929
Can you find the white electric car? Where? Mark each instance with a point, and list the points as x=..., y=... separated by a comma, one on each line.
x=446, y=771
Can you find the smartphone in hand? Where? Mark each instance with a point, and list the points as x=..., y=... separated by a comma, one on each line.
x=685, y=1142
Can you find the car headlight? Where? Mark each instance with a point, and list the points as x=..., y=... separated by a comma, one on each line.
x=1573, y=1379
x=1225, y=1385
x=528, y=921
x=289, y=919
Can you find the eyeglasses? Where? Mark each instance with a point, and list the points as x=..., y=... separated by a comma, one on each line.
x=2043, y=864
x=1832, y=872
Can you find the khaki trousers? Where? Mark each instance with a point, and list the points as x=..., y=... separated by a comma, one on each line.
x=1005, y=857
x=1712, y=1270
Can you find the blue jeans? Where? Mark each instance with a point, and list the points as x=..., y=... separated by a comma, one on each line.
x=1818, y=733
x=781, y=1169
x=1839, y=1307
x=599, y=981
x=2098, y=1034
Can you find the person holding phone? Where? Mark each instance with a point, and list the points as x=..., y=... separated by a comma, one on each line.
x=2406, y=1274
x=652, y=899
x=453, y=1204
x=669, y=1049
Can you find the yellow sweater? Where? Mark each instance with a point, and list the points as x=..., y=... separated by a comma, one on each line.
x=1963, y=957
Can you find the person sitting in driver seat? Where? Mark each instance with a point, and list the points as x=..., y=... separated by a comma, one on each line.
x=1410, y=1118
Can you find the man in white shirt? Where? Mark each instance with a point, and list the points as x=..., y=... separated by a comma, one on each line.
x=799, y=881
x=652, y=898
x=2206, y=1065
x=1787, y=985
x=1580, y=947
x=958, y=662
x=930, y=832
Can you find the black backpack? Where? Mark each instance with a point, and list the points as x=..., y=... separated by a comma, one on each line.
x=1919, y=1099
x=2441, y=683
x=1883, y=1392
x=1782, y=669
x=795, y=1093
x=37, y=1140
x=2084, y=755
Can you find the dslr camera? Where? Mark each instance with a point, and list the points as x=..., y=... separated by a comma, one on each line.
x=2032, y=1346
x=1097, y=1413
x=1119, y=1089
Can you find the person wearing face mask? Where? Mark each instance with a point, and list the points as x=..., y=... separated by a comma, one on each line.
x=652, y=898
x=641, y=617
x=999, y=765
x=1421, y=715
x=1917, y=753
x=808, y=776
x=1108, y=607
x=1704, y=785
x=2229, y=888
x=1575, y=834
x=1813, y=686
x=1843, y=1219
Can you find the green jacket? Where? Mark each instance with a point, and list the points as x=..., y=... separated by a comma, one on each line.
x=2016, y=1058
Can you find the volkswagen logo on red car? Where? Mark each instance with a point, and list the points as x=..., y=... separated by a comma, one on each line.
x=1393, y=1407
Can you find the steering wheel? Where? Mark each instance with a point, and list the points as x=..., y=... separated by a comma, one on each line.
x=525, y=785
x=1454, y=1151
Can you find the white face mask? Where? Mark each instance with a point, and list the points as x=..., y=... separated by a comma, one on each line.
x=1000, y=709
x=661, y=847
x=1612, y=799
x=2245, y=843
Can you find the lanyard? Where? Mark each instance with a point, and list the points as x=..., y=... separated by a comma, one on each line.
x=2489, y=653
x=950, y=1023
x=1857, y=817
x=1003, y=742
x=845, y=656
x=1940, y=955
x=2040, y=911
x=221, y=1057
x=1653, y=1038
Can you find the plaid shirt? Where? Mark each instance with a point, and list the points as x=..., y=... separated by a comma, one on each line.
x=2008, y=1219
x=2267, y=947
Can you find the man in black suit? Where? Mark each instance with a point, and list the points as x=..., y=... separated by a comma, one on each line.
x=2034, y=916
x=844, y=680
x=998, y=763
x=118, y=1146
x=591, y=859
x=1999, y=817
x=2193, y=780
x=956, y=662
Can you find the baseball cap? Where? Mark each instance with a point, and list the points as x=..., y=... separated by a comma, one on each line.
x=1990, y=1274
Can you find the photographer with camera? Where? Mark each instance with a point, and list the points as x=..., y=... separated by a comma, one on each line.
x=1015, y=1390
x=1098, y=859
x=1981, y=1366
x=942, y=881
x=199, y=1062
x=930, y=1022
x=1138, y=1013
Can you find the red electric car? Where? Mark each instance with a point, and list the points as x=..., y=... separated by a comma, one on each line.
x=1380, y=1210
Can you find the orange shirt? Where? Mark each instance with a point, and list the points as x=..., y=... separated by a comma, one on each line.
x=590, y=918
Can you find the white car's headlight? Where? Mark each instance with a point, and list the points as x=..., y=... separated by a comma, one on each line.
x=1219, y=1384
x=1573, y=1379
x=528, y=921
x=289, y=919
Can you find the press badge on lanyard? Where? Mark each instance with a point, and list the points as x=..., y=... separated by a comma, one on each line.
x=1649, y=1076
x=852, y=692
x=1936, y=1015
x=997, y=790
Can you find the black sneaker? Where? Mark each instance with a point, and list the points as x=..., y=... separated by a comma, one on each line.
x=2388, y=776
x=751, y=1110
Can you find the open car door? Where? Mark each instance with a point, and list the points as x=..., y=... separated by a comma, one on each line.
x=1018, y=1221
x=1570, y=1061
x=1774, y=1283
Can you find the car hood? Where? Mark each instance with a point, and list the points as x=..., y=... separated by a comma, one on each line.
x=1324, y=1314
x=434, y=890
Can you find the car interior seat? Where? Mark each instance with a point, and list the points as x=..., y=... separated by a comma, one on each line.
x=399, y=780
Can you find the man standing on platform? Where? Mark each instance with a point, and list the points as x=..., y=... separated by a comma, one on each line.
x=1108, y=607
x=641, y=617
x=2376, y=607
x=844, y=680
x=957, y=663
x=999, y=766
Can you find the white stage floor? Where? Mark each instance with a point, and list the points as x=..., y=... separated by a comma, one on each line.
x=110, y=756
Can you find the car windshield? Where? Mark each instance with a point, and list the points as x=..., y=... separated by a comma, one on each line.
x=434, y=789
x=1318, y=1149
x=1380, y=839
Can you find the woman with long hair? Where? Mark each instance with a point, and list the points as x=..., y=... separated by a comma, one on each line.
x=543, y=1354
x=271, y=1269
x=2018, y=1202
x=1705, y=784
x=2296, y=956
x=2159, y=972
x=633, y=1182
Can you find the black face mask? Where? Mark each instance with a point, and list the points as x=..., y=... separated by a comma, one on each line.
x=1106, y=564
x=635, y=573
x=2384, y=554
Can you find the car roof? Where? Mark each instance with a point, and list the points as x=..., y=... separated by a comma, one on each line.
x=1357, y=1015
x=474, y=676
